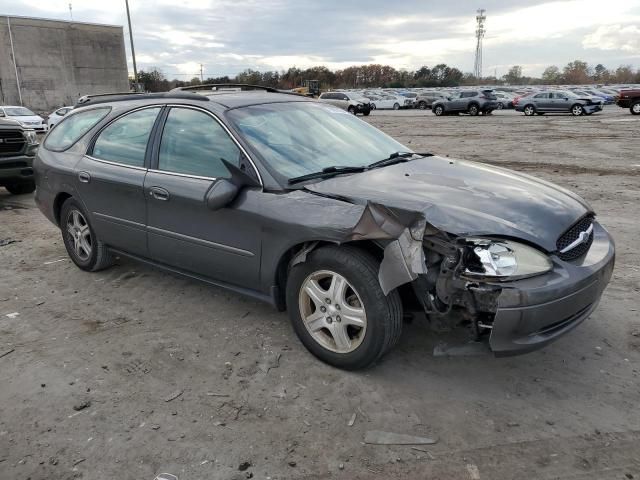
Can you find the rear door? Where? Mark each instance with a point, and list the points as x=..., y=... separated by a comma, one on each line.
x=183, y=232
x=110, y=180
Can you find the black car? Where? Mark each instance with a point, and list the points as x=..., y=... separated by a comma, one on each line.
x=315, y=211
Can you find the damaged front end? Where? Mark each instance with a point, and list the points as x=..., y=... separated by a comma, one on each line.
x=515, y=296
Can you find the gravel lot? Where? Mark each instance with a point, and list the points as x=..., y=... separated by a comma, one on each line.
x=181, y=377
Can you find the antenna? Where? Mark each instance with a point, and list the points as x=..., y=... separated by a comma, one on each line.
x=480, y=30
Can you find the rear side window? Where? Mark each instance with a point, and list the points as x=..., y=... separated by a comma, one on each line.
x=125, y=140
x=193, y=143
x=73, y=128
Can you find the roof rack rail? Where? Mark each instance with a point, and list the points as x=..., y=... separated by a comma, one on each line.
x=124, y=96
x=222, y=86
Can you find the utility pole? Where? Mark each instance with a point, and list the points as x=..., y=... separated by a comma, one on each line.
x=480, y=30
x=133, y=50
x=201, y=74
x=71, y=11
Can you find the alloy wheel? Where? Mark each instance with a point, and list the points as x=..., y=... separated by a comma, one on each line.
x=577, y=110
x=332, y=311
x=636, y=108
x=80, y=235
x=529, y=110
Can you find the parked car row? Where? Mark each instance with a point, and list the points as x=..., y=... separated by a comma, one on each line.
x=576, y=100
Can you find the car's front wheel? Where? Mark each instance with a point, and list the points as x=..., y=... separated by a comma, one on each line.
x=338, y=309
x=82, y=244
x=21, y=188
x=473, y=110
x=635, y=108
x=396, y=106
x=577, y=110
x=423, y=105
x=438, y=110
x=352, y=110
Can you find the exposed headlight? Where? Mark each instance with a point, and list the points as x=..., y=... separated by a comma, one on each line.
x=504, y=259
x=30, y=135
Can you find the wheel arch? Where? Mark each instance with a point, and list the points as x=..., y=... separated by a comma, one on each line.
x=61, y=197
x=282, y=269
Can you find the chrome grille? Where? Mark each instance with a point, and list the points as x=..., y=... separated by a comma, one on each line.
x=573, y=235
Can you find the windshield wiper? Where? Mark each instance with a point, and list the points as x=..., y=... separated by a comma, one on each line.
x=326, y=173
x=396, y=157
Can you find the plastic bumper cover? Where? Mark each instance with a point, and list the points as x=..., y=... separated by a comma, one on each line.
x=534, y=312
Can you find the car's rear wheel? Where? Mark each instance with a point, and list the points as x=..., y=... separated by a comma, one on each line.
x=529, y=110
x=438, y=110
x=351, y=110
x=422, y=105
x=21, y=188
x=635, y=108
x=473, y=110
x=577, y=110
x=396, y=106
x=500, y=105
x=366, y=113
x=338, y=309
x=80, y=240
x=373, y=106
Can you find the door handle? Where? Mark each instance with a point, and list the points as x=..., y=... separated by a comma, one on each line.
x=159, y=193
x=84, y=177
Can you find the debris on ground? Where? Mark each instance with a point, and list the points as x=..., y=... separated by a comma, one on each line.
x=82, y=405
x=12, y=315
x=7, y=241
x=469, y=349
x=7, y=352
x=272, y=362
x=292, y=463
x=212, y=394
x=244, y=466
x=377, y=437
x=173, y=395
x=78, y=462
x=352, y=420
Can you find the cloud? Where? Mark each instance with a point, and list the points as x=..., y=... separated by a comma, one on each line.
x=614, y=37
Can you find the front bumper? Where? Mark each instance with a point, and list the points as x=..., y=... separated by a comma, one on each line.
x=363, y=108
x=624, y=102
x=593, y=108
x=16, y=169
x=536, y=311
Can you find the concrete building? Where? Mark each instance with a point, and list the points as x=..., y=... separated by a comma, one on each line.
x=45, y=64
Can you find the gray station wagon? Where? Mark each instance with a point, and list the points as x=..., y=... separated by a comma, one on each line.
x=311, y=209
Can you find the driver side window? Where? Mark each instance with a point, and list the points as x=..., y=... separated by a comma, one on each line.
x=194, y=143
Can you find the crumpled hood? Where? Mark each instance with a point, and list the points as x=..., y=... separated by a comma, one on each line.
x=466, y=198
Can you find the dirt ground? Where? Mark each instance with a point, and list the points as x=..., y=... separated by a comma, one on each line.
x=180, y=377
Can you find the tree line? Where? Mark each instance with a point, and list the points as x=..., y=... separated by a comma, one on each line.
x=365, y=76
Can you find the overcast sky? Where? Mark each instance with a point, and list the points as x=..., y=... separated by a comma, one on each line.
x=228, y=36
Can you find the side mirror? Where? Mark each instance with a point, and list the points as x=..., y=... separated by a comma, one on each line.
x=221, y=194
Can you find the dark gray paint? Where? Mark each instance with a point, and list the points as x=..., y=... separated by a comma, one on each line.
x=167, y=220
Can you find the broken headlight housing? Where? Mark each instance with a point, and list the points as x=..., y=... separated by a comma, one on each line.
x=503, y=259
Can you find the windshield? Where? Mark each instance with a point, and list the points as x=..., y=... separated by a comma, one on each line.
x=18, y=112
x=298, y=138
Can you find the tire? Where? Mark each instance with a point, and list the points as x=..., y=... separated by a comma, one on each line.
x=21, y=188
x=500, y=106
x=473, y=110
x=577, y=110
x=438, y=110
x=381, y=315
x=422, y=105
x=82, y=244
x=373, y=106
x=366, y=113
x=529, y=110
x=635, y=108
x=351, y=110
x=396, y=106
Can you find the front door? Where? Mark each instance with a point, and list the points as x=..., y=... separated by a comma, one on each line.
x=183, y=232
x=110, y=180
